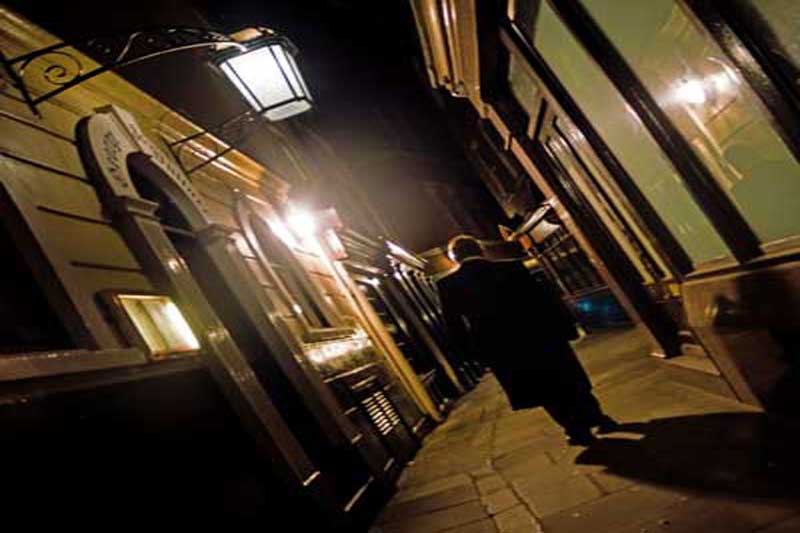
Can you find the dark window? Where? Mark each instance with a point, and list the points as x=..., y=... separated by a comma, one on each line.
x=27, y=320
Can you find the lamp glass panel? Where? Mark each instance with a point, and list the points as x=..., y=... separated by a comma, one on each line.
x=303, y=87
x=229, y=72
x=286, y=67
x=285, y=111
x=267, y=77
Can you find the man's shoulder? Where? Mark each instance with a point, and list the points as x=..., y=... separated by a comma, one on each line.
x=466, y=270
x=448, y=279
x=511, y=266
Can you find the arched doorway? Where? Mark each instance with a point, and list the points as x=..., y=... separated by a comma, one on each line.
x=335, y=459
x=261, y=367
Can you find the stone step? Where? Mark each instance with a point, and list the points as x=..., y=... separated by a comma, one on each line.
x=700, y=372
x=693, y=349
x=695, y=360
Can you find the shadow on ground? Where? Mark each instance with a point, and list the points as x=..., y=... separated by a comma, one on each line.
x=746, y=454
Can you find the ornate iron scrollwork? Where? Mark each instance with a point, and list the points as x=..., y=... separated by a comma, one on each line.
x=62, y=68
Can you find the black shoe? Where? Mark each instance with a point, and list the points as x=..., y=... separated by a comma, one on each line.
x=583, y=438
x=606, y=424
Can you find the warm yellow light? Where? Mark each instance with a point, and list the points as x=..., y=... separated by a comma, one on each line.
x=266, y=74
x=302, y=223
x=282, y=232
x=336, y=247
x=184, y=333
x=691, y=91
x=160, y=323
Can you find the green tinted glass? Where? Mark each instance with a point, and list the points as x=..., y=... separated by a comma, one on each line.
x=625, y=135
x=522, y=86
x=712, y=106
x=782, y=17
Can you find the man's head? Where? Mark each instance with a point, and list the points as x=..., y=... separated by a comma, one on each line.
x=463, y=247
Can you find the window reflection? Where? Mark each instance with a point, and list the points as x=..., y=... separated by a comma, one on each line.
x=623, y=132
x=160, y=323
x=522, y=86
x=712, y=106
x=778, y=22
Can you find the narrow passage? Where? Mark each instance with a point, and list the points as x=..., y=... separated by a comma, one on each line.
x=687, y=461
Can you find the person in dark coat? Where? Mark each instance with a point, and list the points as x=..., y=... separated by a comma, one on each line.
x=519, y=328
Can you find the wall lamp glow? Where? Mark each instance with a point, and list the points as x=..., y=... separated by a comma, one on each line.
x=258, y=62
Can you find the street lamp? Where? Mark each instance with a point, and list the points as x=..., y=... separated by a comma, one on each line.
x=257, y=61
x=266, y=74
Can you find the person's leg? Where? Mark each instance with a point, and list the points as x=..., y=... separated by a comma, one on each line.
x=566, y=413
x=559, y=413
x=591, y=413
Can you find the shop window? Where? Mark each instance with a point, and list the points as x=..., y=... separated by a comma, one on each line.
x=522, y=86
x=27, y=320
x=155, y=323
x=572, y=167
x=291, y=274
x=393, y=323
x=580, y=150
x=565, y=260
x=712, y=105
x=777, y=22
x=623, y=132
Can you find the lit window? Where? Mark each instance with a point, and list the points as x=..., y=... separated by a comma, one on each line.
x=159, y=323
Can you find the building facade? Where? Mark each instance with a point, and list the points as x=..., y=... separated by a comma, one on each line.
x=171, y=342
x=661, y=138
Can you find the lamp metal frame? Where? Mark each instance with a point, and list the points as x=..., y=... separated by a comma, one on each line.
x=65, y=69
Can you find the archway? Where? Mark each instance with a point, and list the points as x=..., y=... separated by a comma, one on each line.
x=162, y=216
x=175, y=214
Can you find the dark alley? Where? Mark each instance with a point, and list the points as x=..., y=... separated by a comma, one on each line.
x=410, y=266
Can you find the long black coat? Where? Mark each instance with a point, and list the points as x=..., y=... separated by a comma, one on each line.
x=517, y=326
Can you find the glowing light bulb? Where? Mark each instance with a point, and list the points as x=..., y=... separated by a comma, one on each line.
x=691, y=92
x=302, y=223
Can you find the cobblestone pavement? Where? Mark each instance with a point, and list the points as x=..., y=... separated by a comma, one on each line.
x=688, y=461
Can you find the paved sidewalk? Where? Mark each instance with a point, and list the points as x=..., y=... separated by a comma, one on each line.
x=689, y=462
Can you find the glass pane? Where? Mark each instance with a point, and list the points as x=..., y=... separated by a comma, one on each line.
x=278, y=259
x=782, y=18
x=584, y=153
x=574, y=171
x=626, y=136
x=712, y=106
x=522, y=86
x=160, y=323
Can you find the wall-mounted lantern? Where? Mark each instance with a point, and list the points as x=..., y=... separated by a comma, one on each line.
x=258, y=62
x=266, y=73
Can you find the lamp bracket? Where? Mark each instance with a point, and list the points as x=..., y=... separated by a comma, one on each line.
x=63, y=68
x=232, y=131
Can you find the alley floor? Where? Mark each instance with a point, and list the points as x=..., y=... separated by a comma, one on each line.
x=687, y=461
